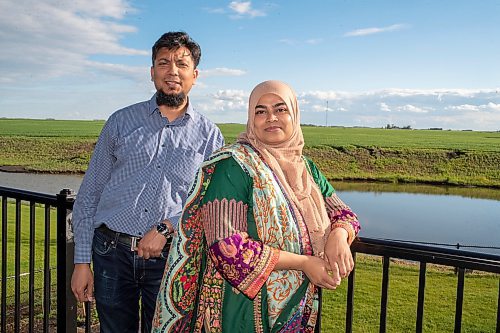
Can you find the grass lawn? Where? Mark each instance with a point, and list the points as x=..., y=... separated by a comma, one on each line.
x=479, y=308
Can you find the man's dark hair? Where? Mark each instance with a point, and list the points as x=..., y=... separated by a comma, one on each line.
x=175, y=40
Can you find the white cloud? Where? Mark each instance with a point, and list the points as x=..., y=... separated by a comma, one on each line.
x=374, y=30
x=384, y=107
x=411, y=108
x=244, y=9
x=493, y=106
x=288, y=41
x=50, y=39
x=468, y=107
x=476, y=109
x=224, y=106
x=314, y=41
x=222, y=100
x=216, y=10
x=323, y=95
x=140, y=74
x=293, y=42
x=221, y=71
x=464, y=107
x=318, y=108
x=230, y=94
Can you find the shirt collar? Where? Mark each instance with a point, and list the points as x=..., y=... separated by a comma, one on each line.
x=153, y=107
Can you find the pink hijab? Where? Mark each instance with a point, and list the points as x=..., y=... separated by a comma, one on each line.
x=285, y=159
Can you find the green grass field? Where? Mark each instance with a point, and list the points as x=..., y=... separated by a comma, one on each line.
x=314, y=136
x=406, y=156
x=479, y=308
x=24, y=255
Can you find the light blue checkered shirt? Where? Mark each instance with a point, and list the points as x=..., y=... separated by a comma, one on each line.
x=140, y=172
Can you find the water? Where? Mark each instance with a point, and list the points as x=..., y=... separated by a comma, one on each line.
x=37, y=182
x=431, y=218
x=434, y=214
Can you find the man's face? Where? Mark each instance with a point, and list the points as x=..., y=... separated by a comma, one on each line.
x=173, y=71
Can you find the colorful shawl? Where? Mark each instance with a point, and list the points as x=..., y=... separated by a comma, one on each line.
x=192, y=291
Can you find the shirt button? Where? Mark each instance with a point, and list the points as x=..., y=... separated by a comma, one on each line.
x=140, y=234
x=158, y=166
x=146, y=210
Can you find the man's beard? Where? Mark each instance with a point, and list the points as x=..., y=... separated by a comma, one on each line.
x=170, y=100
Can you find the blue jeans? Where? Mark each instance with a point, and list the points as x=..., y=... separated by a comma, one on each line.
x=121, y=279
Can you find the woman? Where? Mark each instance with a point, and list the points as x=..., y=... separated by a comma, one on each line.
x=262, y=229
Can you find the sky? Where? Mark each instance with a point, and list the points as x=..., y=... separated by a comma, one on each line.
x=418, y=63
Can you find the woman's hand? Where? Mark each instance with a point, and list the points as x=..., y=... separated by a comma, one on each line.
x=317, y=270
x=338, y=253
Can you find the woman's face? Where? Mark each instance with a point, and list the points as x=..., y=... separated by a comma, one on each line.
x=273, y=121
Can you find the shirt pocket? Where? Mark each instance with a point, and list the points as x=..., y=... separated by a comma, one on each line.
x=138, y=146
x=184, y=168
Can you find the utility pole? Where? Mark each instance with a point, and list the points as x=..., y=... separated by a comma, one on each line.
x=326, y=114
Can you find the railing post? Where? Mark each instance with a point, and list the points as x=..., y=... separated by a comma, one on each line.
x=460, y=300
x=421, y=296
x=317, y=328
x=350, y=297
x=66, y=302
x=385, y=291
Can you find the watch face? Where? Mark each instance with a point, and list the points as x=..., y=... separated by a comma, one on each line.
x=162, y=228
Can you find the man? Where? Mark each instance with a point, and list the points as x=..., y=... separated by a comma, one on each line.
x=132, y=195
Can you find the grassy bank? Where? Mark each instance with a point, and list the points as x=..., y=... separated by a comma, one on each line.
x=423, y=156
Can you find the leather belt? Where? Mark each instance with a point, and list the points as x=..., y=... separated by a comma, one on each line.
x=126, y=239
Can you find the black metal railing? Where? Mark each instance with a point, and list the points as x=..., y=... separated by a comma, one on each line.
x=23, y=320
x=66, y=316
x=461, y=260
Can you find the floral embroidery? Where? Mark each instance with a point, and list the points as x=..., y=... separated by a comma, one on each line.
x=347, y=220
x=341, y=216
x=210, y=302
x=223, y=218
x=190, y=297
x=243, y=262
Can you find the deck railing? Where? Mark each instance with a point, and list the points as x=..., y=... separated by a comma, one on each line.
x=424, y=255
x=13, y=226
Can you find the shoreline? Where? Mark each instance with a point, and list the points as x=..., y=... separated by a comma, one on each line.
x=23, y=169
x=17, y=169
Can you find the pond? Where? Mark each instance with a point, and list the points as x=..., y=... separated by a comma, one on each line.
x=420, y=213
x=431, y=214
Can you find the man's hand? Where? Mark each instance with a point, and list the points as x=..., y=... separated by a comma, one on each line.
x=338, y=253
x=151, y=245
x=82, y=283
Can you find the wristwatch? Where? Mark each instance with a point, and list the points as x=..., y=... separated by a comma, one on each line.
x=163, y=229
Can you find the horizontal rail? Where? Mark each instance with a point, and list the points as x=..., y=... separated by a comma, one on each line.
x=429, y=254
x=43, y=198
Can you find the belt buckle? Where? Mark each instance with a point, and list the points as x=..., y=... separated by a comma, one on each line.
x=133, y=243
